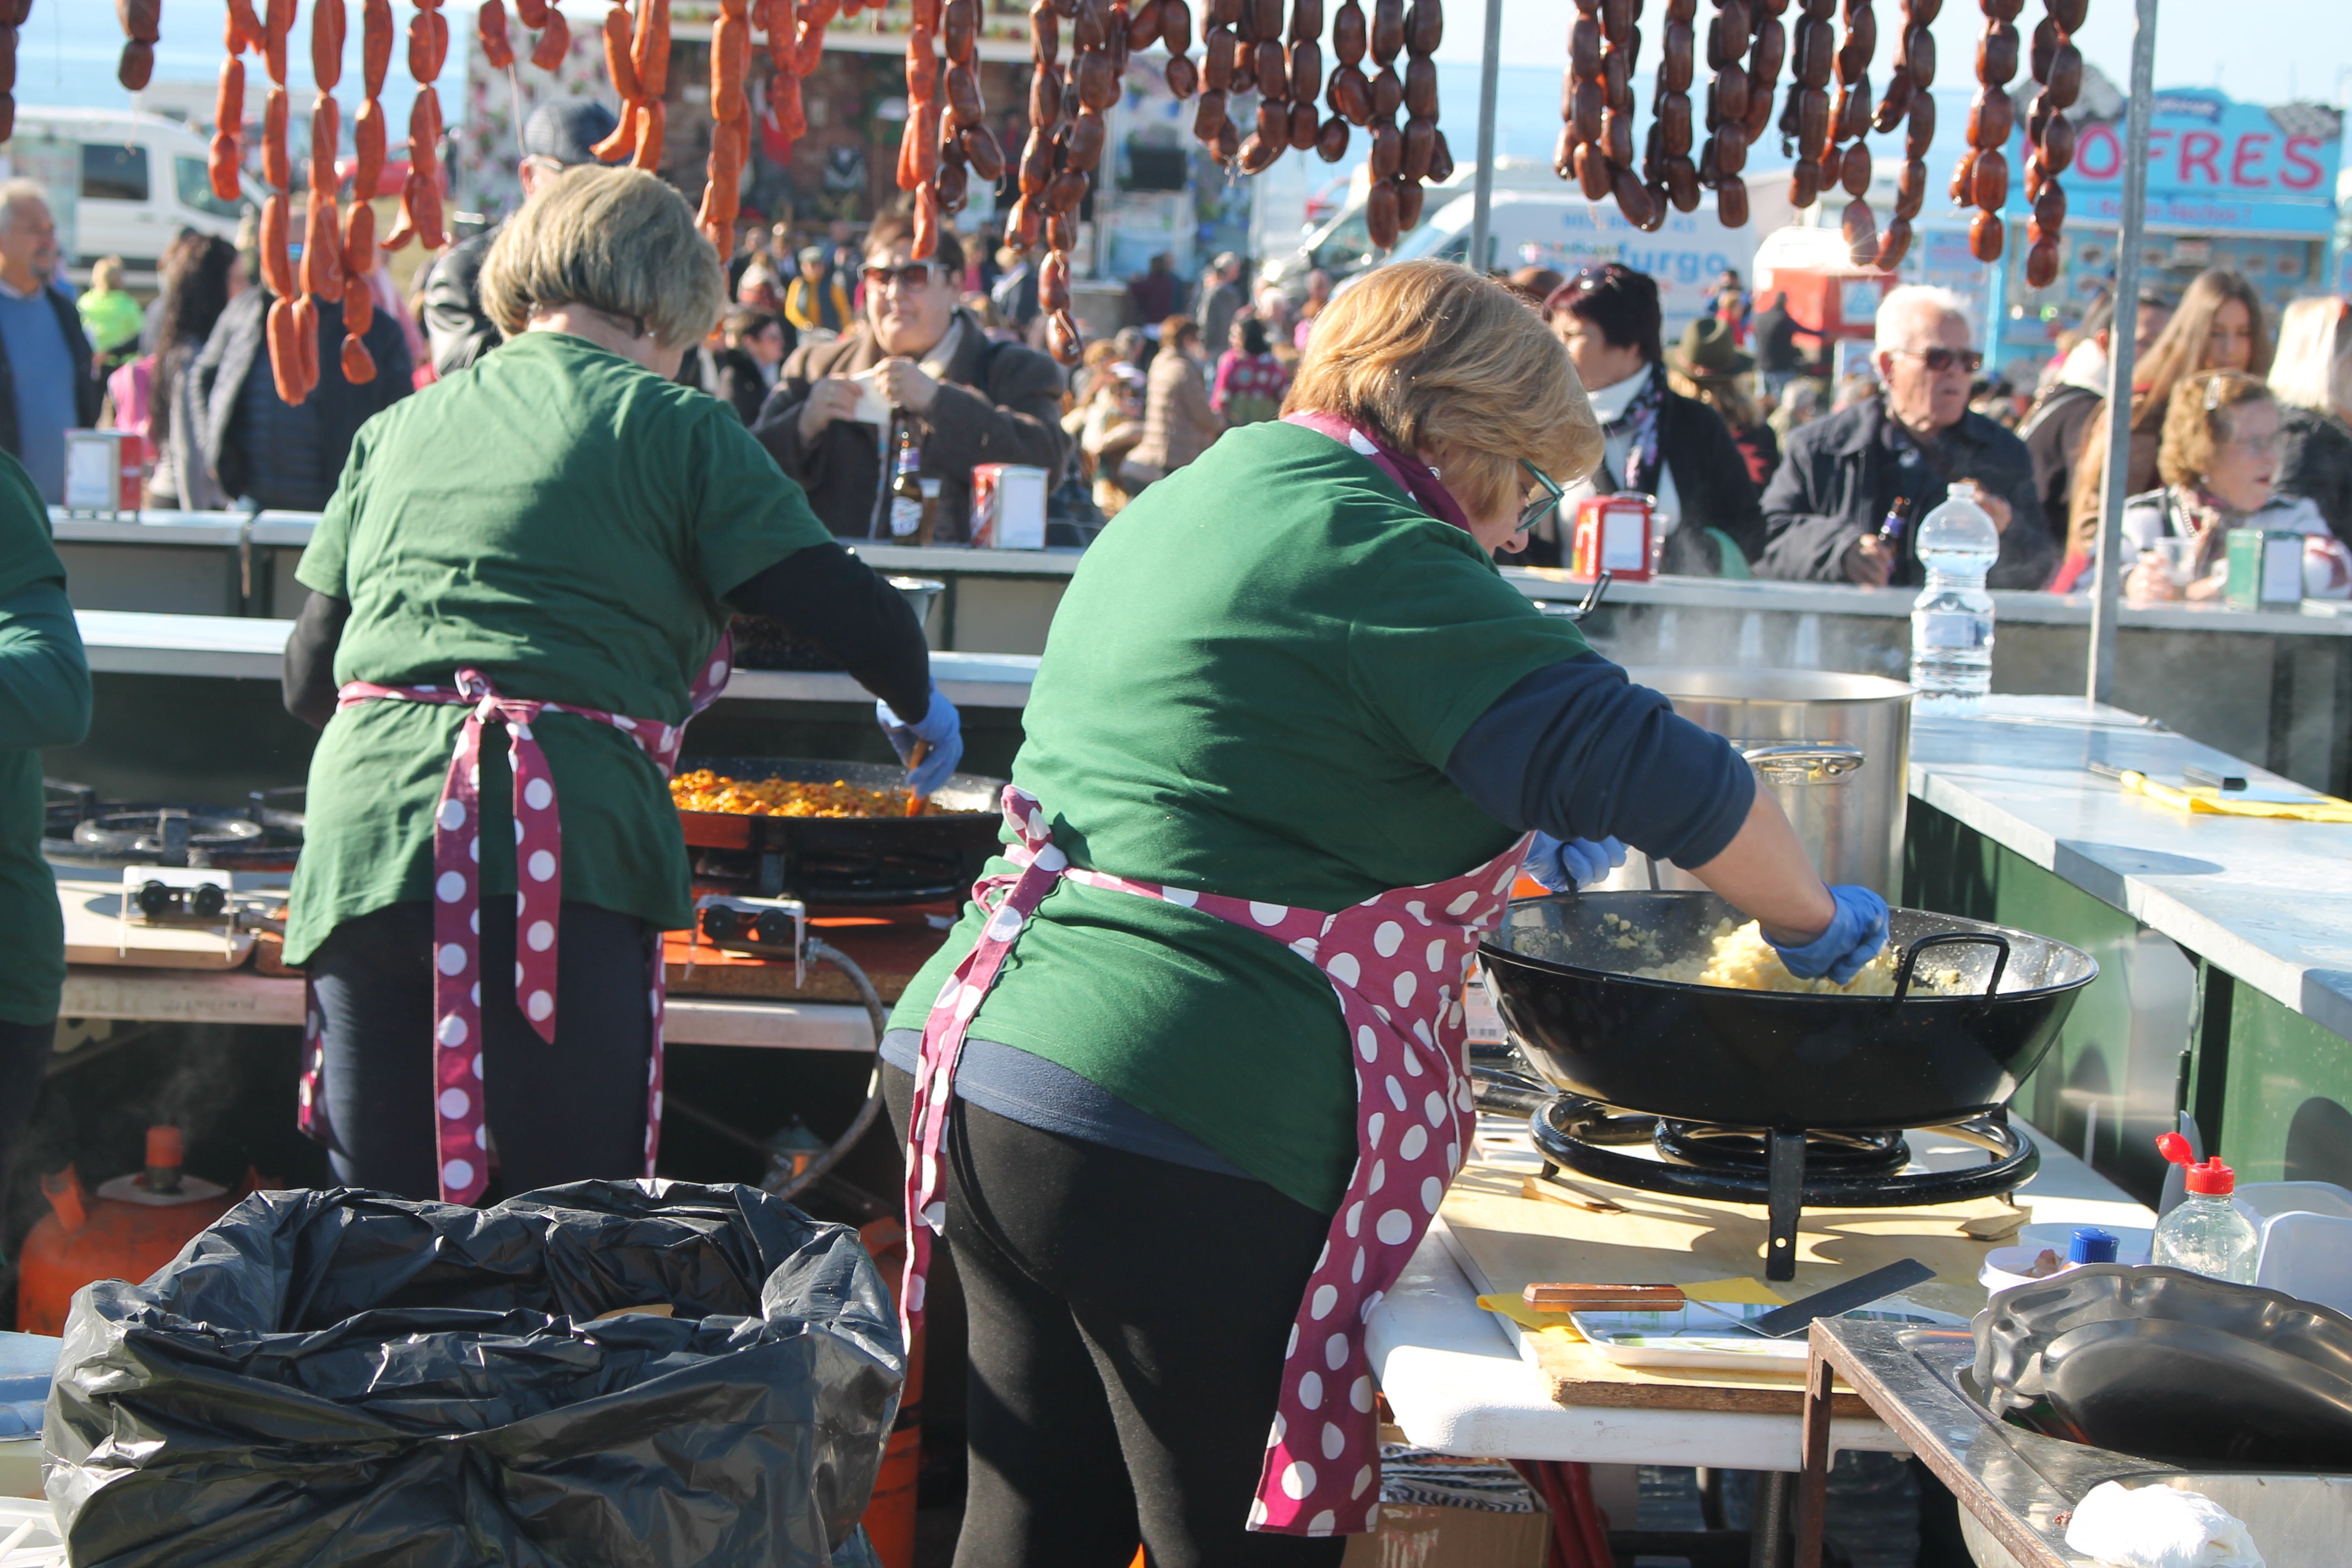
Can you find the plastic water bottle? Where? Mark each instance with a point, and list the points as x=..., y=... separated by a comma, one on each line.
x=2205, y=1234
x=1951, y=621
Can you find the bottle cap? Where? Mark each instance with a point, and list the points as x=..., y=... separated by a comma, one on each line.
x=2175, y=1148
x=2091, y=1245
x=2213, y=1179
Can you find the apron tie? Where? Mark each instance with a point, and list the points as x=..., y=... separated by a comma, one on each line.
x=1397, y=962
x=462, y=1138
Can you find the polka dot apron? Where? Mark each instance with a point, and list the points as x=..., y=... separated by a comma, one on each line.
x=1396, y=962
x=462, y=1136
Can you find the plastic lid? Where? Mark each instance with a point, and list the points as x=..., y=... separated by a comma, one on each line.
x=2213, y=1179
x=165, y=1149
x=2175, y=1148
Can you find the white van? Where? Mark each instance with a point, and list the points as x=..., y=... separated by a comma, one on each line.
x=121, y=183
x=1342, y=246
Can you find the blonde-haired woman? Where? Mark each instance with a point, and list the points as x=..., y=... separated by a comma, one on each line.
x=549, y=542
x=2312, y=379
x=2218, y=326
x=1290, y=735
x=2220, y=460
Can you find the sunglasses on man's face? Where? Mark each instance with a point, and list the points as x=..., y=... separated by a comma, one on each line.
x=1940, y=359
x=915, y=276
x=1544, y=505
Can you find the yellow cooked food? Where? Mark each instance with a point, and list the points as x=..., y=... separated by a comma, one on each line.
x=1739, y=958
x=703, y=790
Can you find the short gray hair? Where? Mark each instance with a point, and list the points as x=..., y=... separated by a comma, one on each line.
x=1906, y=309
x=616, y=240
x=13, y=193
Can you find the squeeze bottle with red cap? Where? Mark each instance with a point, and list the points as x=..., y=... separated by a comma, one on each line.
x=2205, y=1234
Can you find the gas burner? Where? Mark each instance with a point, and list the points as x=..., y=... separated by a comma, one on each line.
x=1786, y=1169
x=81, y=830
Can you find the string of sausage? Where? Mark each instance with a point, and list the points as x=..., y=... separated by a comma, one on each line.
x=1909, y=103
x=1596, y=145
x=1850, y=114
x=1667, y=167
x=420, y=198
x=2058, y=67
x=13, y=14
x=291, y=325
x=1982, y=177
x=1745, y=47
x=731, y=124
x=498, y=50
x=1066, y=141
x=140, y=19
x=637, y=56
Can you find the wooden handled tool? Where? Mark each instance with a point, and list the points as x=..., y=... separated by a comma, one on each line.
x=914, y=797
x=1562, y=1297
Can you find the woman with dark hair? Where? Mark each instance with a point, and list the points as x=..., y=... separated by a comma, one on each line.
x=2220, y=326
x=1250, y=380
x=1660, y=442
x=199, y=275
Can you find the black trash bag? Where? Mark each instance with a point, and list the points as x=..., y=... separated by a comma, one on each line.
x=342, y=1377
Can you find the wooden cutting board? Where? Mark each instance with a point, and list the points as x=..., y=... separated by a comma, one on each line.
x=94, y=935
x=1506, y=1241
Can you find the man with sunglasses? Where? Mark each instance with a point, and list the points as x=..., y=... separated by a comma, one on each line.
x=1827, y=511
x=939, y=377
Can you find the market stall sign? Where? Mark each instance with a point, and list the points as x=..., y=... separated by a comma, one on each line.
x=2215, y=165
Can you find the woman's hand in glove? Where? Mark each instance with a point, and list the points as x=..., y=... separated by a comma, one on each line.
x=942, y=726
x=1857, y=932
x=1565, y=866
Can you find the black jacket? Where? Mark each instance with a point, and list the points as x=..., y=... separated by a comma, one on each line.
x=456, y=332
x=1840, y=475
x=999, y=403
x=1776, y=341
x=1710, y=479
x=88, y=392
x=2053, y=434
x=2317, y=463
x=730, y=375
x=269, y=452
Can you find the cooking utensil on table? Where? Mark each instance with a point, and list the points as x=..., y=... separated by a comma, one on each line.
x=845, y=859
x=1857, y=1292
x=1694, y=1068
x=1572, y=1298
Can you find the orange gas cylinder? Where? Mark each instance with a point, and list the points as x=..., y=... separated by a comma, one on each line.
x=132, y=1227
x=889, y=1517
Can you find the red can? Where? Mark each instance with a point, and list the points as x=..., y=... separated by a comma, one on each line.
x=1617, y=535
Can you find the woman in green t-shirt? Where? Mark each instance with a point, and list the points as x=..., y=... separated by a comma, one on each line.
x=1290, y=735
x=550, y=542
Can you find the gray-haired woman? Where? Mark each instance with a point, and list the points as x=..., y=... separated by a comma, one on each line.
x=552, y=541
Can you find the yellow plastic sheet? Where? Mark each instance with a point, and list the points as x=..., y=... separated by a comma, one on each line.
x=2218, y=803
x=1734, y=1291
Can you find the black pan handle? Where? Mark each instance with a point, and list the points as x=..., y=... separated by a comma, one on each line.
x=1952, y=938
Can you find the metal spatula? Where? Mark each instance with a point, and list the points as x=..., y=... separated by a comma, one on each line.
x=1860, y=1292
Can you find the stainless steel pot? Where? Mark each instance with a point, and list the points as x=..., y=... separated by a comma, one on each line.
x=1835, y=750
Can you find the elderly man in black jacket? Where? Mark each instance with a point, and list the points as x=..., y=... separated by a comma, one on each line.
x=936, y=376
x=1840, y=476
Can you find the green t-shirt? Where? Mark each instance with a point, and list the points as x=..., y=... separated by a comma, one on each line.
x=1252, y=688
x=44, y=702
x=566, y=522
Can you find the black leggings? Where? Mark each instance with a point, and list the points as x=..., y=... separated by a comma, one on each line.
x=563, y=1112
x=1128, y=1323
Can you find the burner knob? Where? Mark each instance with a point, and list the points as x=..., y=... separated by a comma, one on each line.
x=208, y=899
x=775, y=929
x=154, y=900
x=720, y=923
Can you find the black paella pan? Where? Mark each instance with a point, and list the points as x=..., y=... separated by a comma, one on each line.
x=844, y=860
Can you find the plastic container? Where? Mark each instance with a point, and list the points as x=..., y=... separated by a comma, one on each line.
x=2205, y=1234
x=1951, y=621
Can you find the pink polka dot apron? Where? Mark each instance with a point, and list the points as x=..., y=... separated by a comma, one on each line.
x=1396, y=962
x=462, y=1137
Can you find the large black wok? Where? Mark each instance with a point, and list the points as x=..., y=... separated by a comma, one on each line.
x=846, y=859
x=1765, y=1059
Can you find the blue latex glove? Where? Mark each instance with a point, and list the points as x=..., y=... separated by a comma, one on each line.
x=943, y=726
x=1567, y=864
x=1857, y=932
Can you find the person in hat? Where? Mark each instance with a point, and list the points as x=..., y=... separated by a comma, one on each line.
x=1660, y=442
x=557, y=136
x=1710, y=366
x=814, y=300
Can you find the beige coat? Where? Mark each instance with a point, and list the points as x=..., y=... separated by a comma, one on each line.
x=1178, y=422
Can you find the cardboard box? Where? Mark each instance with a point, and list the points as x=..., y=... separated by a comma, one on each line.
x=1416, y=1535
x=1008, y=507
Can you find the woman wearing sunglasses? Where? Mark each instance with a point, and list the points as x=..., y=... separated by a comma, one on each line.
x=1290, y=737
x=917, y=365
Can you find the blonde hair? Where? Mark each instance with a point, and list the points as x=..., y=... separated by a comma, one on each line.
x=105, y=274
x=2200, y=417
x=2313, y=366
x=616, y=240
x=1428, y=353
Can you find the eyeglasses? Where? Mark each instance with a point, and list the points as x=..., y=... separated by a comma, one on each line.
x=1940, y=359
x=912, y=277
x=1543, y=505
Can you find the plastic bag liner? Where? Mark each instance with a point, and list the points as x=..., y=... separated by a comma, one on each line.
x=342, y=1377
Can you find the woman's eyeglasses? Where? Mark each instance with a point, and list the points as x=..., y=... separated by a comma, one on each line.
x=1544, y=505
x=1940, y=359
x=915, y=276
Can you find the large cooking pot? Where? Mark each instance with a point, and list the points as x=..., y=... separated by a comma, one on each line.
x=1775, y=1060
x=1835, y=750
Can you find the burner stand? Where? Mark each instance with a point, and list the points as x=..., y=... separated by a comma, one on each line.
x=1785, y=1170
